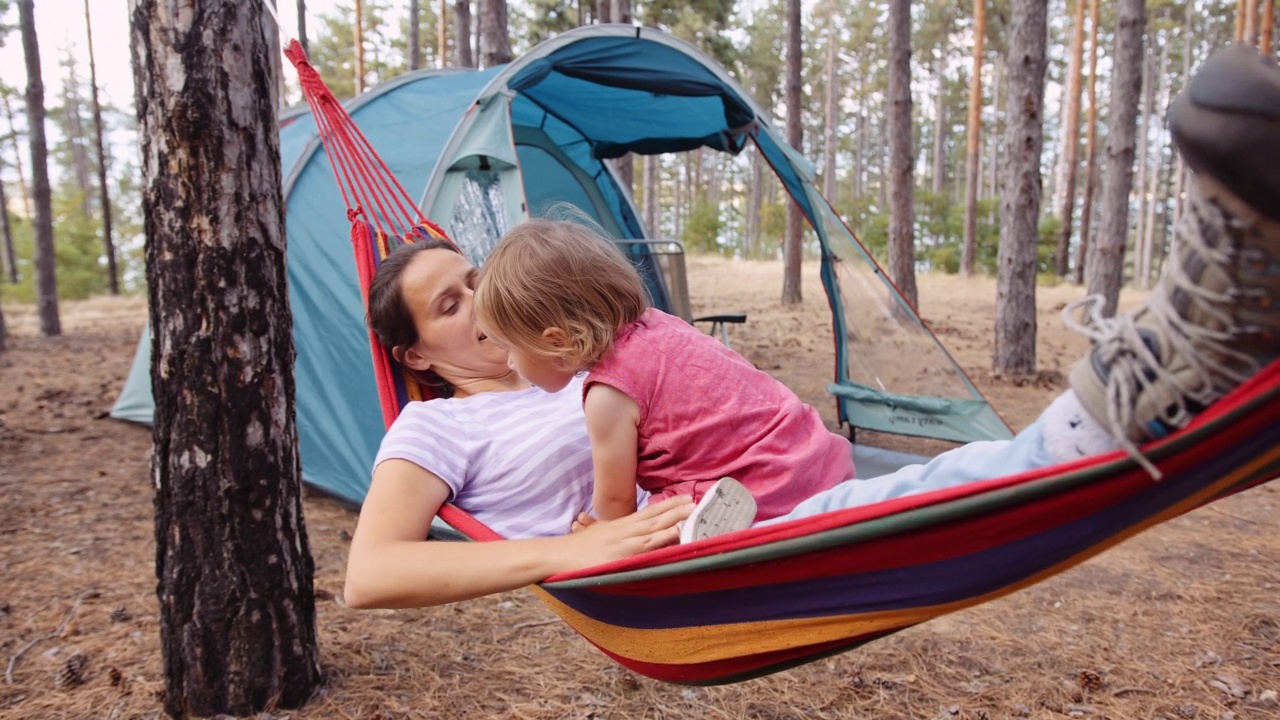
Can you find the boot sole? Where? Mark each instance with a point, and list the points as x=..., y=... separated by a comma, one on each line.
x=1227, y=126
x=726, y=507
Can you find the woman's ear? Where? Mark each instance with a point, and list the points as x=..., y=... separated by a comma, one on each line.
x=411, y=358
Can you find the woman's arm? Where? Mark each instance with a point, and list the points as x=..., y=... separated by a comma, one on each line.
x=391, y=565
x=612, y=418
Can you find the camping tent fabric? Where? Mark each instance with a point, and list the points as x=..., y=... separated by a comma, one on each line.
x=458, y=137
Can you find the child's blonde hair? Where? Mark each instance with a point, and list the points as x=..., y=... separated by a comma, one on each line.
x=553, y=273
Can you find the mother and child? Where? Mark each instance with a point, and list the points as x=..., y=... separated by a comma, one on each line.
x=567, y=403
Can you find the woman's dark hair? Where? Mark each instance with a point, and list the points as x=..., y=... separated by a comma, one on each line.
x=389, y=316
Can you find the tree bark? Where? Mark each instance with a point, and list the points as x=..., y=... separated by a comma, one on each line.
x=415, y=42
x=46, y=277
x=604, y=11
x=652, y=164
x=1071, y=143
x=237, y=606
x=973, y=161
x=621, y=11
x=902, y=216
x=462, y=14
x=939, y=119
x=1146, y=262
x=1268, y=21
x=1091, y=151
x=442, y=34
x=104, y=193
x=1015, y=336
x=73, y=116
x=1106, y=262
x=1251, y=22
x=791, y=249
x=495, y=42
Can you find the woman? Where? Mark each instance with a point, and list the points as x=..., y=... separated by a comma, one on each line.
x=420, y=309
x=1150, y=371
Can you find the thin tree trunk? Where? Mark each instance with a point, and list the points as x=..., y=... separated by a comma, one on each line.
x=1241, y=9
x=495, y=42
x=415, y=46
x=1140, y=189
x=1071, y=143
x=791, y=251
x=17, y=157
x=621, y=11
x=442, y=34
x=46, y=277
x=973, y=162
x=652, y=164
x=359, y=46
x=302, y=24
x=604, y=11
x=10, y=257
x=1179, y=166
x=237, y=605
x=73, y=114
x=902, y=252
x=104, y=193
x=1268, y=20
x=755, y=193
x=829, y=126
x=1015, y=334
x=1091, y=151
x=462, y=15
x=939, y=119
x=999, y=79
x=1154, y=175
x=1106, y=264
x=1251, y=22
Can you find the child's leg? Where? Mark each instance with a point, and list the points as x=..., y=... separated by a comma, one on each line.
x=1064, y=431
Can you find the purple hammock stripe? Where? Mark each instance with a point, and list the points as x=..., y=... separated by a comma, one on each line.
x=919, y=585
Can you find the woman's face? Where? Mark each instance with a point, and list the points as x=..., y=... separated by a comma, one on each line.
x=437, y=287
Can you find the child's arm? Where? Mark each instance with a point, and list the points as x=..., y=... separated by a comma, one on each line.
x=612, y=418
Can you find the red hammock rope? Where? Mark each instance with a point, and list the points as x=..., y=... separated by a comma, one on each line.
x=381, y=212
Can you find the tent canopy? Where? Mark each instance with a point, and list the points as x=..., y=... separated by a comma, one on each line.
x=485, y=149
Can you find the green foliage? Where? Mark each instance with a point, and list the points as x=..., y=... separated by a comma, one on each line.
x=545, y=19
x=701, y=232
x=701, y=22
x=332, y=50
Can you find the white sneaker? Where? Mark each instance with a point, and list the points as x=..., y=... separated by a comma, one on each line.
x=726, y=507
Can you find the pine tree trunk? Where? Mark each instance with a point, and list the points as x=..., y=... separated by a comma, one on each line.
x=462, y=15
x=939, y=119
x=302, y=24
x=1268, y=21
x=1155, y=174
x=1106, y=262
x=604, y=11
x=831, y=118
x=1071, y=143
x=754, y=199
x=621, y=11
x=17, y=157
x=902, y=217
x=10, y=257
x=442, y=34
x=1091, y=151
x=791, y=249
x=494, y=39
x=973, y=161
x=358, y=43
x=625, y=165
x=415, y=42
x=1251, y=22
x=104, y=193
x=998, y=83
x=652, y=164
x=73, y=111
x=237, y=606
x=1015, y=336
x=1144, y=143
x=46, y=277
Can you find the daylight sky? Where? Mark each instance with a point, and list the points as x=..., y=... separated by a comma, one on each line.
x=61, y=30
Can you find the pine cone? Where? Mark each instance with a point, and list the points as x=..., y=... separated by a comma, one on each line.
x=121, y=614
x=72, y=672
x=117, y=677
x=1089, y=680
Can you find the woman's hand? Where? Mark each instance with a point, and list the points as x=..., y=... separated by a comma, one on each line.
x=594, y=542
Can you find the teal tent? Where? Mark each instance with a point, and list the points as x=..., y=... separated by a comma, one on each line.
x=484, y=149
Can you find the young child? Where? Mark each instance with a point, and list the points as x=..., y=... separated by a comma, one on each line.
x=667, y=407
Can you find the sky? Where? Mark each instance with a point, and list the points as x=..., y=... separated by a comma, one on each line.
x=60, y=29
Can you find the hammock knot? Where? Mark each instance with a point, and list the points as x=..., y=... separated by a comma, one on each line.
x=353, y=213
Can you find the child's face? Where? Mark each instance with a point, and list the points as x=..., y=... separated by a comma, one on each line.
x=548, y=373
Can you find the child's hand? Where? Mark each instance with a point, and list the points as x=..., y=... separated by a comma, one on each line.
x=583, y=522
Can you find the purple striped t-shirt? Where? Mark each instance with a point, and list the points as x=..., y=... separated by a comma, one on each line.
x=519, y=462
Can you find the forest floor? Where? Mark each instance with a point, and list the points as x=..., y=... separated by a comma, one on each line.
x=1180, y=622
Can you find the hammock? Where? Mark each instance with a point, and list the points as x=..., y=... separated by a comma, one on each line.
x=766, y=599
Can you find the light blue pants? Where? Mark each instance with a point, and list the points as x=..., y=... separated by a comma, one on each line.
x=967, y=463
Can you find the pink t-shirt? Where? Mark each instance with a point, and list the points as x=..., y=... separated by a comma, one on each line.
x=707, y=413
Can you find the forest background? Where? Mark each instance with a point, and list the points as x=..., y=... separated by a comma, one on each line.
x=711, y=201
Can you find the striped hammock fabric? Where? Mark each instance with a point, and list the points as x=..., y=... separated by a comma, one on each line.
x=766, y=599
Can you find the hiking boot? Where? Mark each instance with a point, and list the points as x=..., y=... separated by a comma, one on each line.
x=1214, y=317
